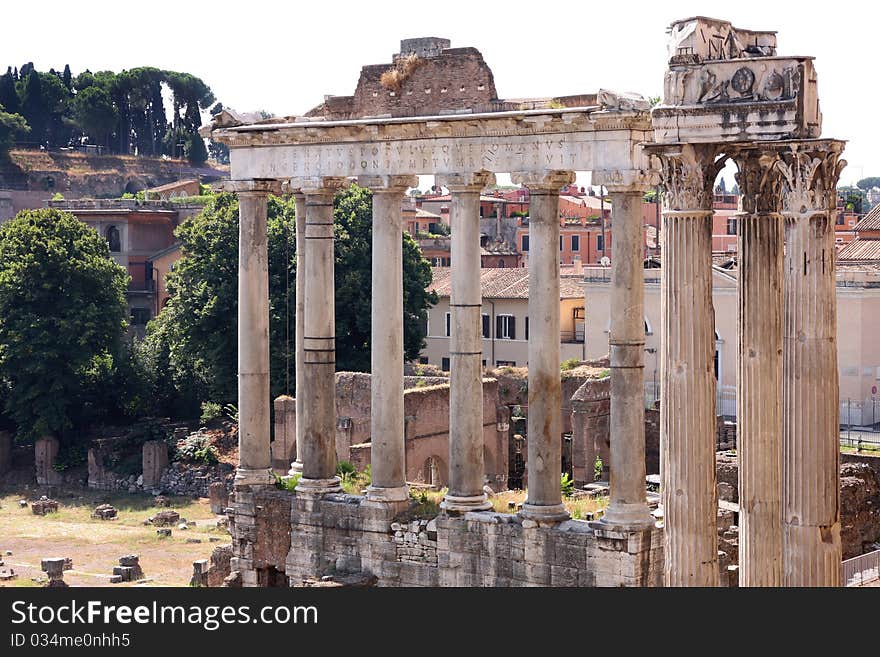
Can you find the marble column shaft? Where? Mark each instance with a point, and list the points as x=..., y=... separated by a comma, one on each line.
x=319, y=342
x=300, y=204
x=628, y=507
x=687, y=377
x=466, y=467
x=388, y=450
x=544, y=500
x=254, y=401
x=759, y=372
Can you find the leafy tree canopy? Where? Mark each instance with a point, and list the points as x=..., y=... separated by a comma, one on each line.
x=864, y=184
x=62, y=318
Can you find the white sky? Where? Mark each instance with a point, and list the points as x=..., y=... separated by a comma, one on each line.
x=284, y=56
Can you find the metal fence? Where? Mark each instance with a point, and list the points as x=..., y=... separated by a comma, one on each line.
x=862, y=569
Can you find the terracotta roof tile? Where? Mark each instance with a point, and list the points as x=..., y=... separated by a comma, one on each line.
x=870, y=221
x=860, y=249
x=505, y=283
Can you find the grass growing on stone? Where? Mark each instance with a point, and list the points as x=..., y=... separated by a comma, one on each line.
x=577, y=507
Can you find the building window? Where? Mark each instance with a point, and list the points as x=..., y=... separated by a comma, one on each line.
x=731, y=225
x=600, y=243
x=113, y=239
x=500, y=263
x=527, y=327
x=140, y=316
x=486, y=326
x=561, y=241
x=505, y=327
x=525, y=243
x=448, y=325
x=444, y=364
x=575, y=243
x=423, y=361
x=505, y=363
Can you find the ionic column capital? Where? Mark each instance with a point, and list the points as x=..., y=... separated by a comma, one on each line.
x=466, y=182
x=626, y=180
x=809, y=172
x=394, y=184
x=317, y=185
x=687, y=173
x=759, y=180
x=257, y=186
x=543, y=182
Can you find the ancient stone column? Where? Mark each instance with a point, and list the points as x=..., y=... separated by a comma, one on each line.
x=759, y=370
x=300, y=209
x=687, y=376
x=628, y=508
x=254, y=402
x=810, y=408
x=318, y=454
x=466, y=467
x=544, y=500
x=387, y=447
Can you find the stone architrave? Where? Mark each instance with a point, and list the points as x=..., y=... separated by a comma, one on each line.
x=45, y=453
x=154, y=462
x=544, y=502
x=387, y=451
x=687, y=378
x=466, y=460
x=5, y=452
x=759, y=364
x=318, y=393
x=810, y=387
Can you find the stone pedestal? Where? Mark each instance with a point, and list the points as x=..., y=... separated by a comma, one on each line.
x=386, y=381
x=155, y=460
x=284, y=446
x=466, y=466
x=687, y=376
x=811, y=438
x=318, y=391
x=218, y=497
x=544, y=501
x=45, y=452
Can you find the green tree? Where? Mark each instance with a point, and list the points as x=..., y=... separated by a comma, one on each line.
x=34, y=108
x=194, y=339
x=62, y=318
x=864, y=184
x=11, y=127
x=195, y=150
x=95, y=114
x=8, y=93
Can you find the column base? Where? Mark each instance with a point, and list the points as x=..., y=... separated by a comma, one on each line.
x=544, y=512
x=463, y=504
x=318, y=486
x=387, y=494
x=626, y=516
x=253, y=477
x=296, y=468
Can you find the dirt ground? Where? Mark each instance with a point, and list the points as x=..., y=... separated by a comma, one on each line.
x=96, y=545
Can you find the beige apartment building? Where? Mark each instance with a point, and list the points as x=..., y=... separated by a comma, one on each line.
x=858, y=347
x=505, y=318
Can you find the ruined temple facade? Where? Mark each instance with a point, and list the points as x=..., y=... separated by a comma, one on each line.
x=734, y=99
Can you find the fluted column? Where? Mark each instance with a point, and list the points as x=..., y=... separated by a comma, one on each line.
x=628, y=508
x=466, y=468
x=318, y=392
x=254, y=403
x=300, y=207
x=759, y=369
x=544, y=500
x=387, y=447
x=687, y=377
x=811, y=428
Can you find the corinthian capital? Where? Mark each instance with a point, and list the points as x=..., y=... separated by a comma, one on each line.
x=809, y=171
x=688, y=176
x=759, y=180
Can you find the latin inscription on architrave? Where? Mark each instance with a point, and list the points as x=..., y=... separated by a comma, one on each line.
x=574, y=151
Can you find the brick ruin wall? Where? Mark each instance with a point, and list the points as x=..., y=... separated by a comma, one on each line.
x=294, y=539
